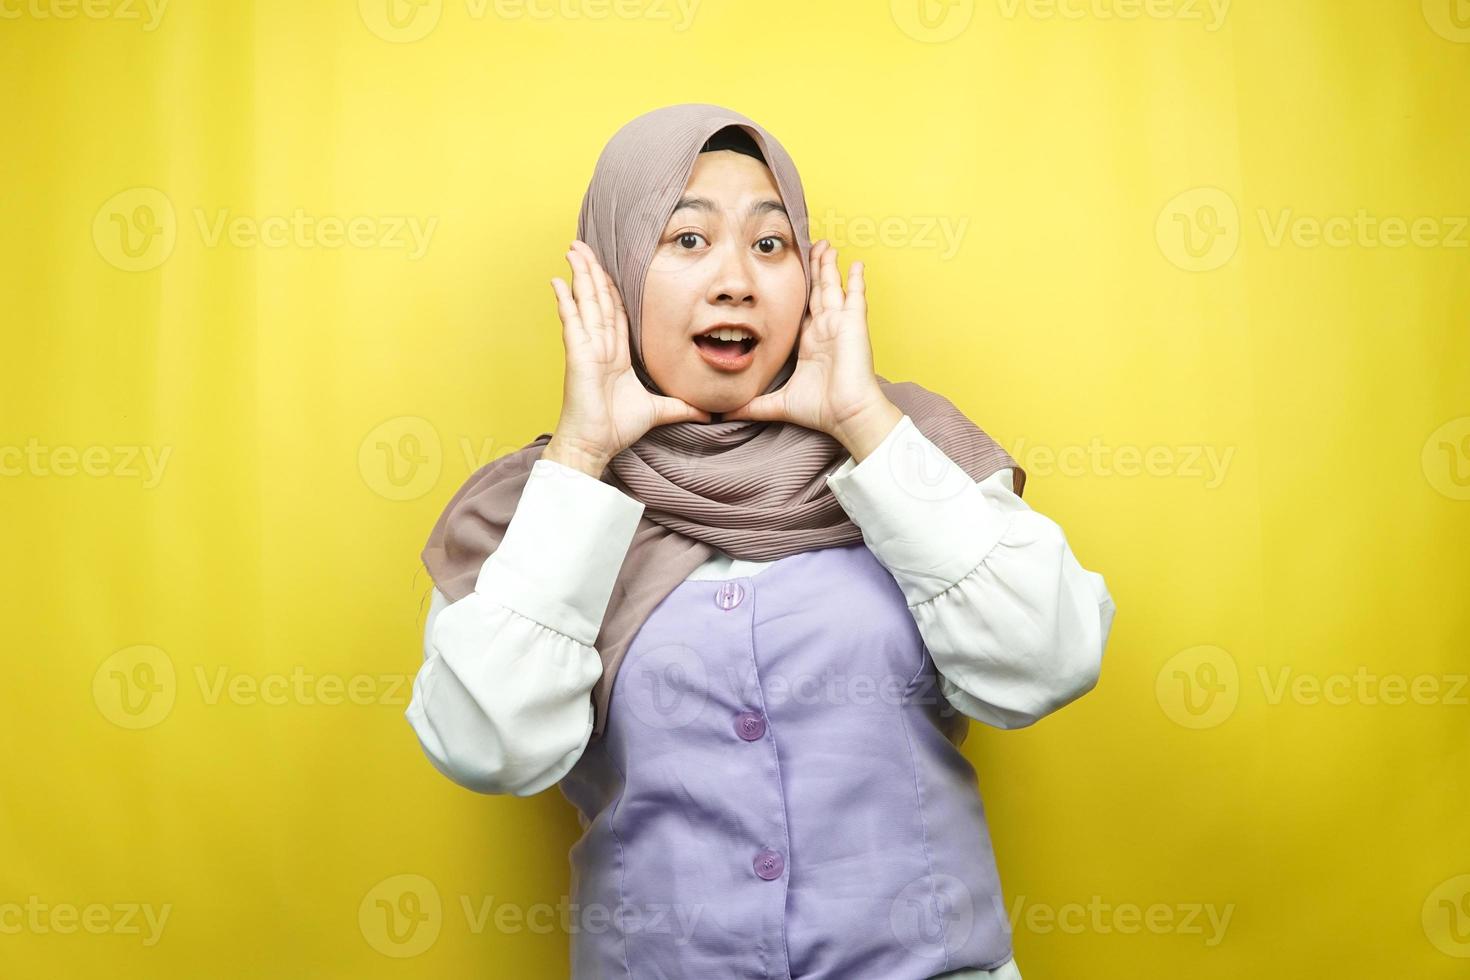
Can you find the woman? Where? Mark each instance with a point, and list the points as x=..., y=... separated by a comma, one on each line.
x=810, y=576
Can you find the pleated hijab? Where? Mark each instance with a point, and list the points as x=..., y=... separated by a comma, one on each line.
x=751, y=489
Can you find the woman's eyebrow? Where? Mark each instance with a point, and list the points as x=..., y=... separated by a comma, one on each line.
x=766, y=206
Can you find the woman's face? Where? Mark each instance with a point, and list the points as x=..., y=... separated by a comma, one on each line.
x=727, y=255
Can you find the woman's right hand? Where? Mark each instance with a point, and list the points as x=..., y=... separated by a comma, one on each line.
x=605, y=408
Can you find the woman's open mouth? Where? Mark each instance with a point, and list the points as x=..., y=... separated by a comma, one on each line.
x=727, y=355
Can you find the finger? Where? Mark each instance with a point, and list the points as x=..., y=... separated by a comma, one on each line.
x=620, y=321
x=617, y=297
x=762, y=408
x=618, y=315
x=584, y=292
x=831, y=287
x=599, y=280
x=857, y=289
x=815, y=300
x=566, y=308
x=670, y=410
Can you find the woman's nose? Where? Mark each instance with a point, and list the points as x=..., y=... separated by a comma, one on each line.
x=733, y=281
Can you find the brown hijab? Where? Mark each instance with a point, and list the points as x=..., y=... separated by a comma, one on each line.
x=753, y=490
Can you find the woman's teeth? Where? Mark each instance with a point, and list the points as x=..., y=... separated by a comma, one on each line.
x=725, y=355
x=728, y=333
x=716, y=342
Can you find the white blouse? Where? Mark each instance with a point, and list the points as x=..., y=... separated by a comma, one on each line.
x=1015, y=626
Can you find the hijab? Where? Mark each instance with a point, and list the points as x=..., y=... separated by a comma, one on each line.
x=751, y=489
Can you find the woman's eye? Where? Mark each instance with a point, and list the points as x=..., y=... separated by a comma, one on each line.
x=776, y=239
x=767, y=244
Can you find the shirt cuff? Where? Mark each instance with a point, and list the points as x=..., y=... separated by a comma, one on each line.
x=920, y=513
x=562, y=550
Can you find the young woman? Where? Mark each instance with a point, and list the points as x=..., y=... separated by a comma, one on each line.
x=808, y=577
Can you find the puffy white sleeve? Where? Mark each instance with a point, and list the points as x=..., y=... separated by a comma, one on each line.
x=502, y=702
x=1015, y=625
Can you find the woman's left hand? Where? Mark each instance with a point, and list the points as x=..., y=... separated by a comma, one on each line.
x=833, y=388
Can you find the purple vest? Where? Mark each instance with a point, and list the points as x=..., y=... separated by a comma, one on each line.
x=775, y=796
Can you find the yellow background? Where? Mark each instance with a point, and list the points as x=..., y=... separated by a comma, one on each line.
x=1120, y=174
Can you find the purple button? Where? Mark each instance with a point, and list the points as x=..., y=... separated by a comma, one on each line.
x=768, y=863
x=729, y=594
x=749, y=725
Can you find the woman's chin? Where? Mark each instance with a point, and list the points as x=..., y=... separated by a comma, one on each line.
x=721, y=398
